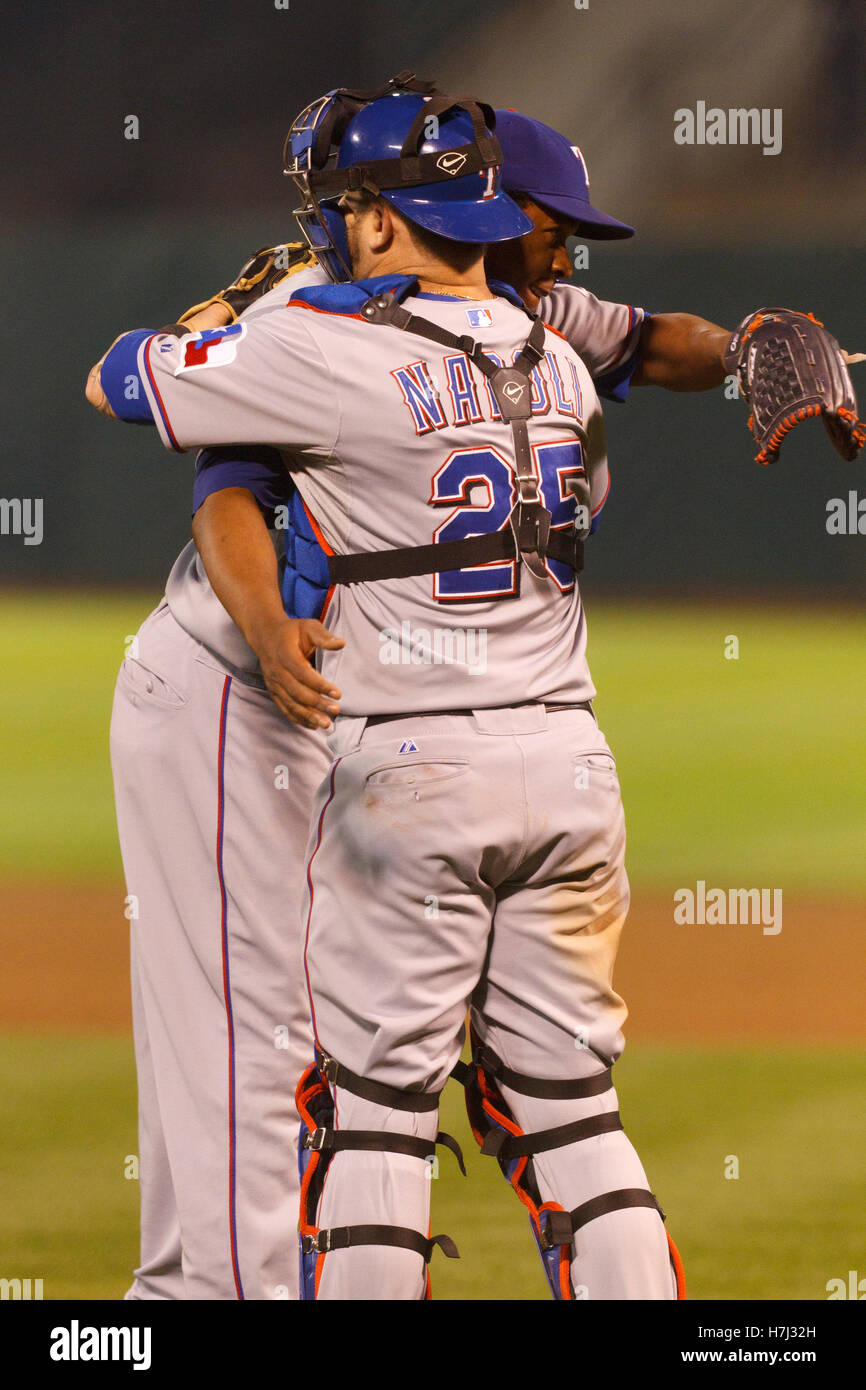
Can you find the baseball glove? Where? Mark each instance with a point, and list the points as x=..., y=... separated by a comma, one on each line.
x=261, y=273
x=790, y=368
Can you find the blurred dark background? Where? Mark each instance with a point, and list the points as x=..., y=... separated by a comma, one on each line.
x=101, y=233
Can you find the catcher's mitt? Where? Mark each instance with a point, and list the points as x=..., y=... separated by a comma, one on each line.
x=789, y=368
x=261, y=273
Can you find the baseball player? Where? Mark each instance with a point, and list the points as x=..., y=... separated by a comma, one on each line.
x=196, y=743
x=191, y=626
x=213, y=788
x=475, y=853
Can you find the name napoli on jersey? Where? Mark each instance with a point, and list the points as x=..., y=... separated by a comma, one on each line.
x=455, y=396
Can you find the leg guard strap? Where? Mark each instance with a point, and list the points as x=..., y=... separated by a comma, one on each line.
x=575, y=1088
x=504, y=1146
x=343, y=1237
x=319, y=1141
x=389, y=1096
x=323, y=1140
x=559, y=1227
x=499, y=1135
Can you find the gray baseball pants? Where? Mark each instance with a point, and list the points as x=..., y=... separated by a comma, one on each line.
x=213, y=792
x=471, y=860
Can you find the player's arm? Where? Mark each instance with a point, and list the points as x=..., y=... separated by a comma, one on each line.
x=266, y=382
x=625, y=346
x=685, y=353
x=232, y=537
x=680, y=352
x=265, y=271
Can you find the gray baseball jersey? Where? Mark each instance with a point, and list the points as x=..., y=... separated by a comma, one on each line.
x=605, y=334
x=410, y=452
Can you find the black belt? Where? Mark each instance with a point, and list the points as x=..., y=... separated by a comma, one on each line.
x=435, y=713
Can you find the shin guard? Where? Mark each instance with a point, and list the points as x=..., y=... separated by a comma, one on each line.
x=499, y=1135
x=320, y=1140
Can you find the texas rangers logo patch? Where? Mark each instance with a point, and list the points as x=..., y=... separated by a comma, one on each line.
x=212, y=347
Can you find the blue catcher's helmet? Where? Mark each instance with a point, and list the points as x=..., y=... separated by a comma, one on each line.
x=433, y=157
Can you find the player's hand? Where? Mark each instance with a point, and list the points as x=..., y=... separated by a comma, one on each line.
x=213, y=315
x=265, y=269
x=297, y=688
x=93, y=390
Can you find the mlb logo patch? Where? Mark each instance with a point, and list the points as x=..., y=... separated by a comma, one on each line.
x=408, y=746
x=213, y=347
x=479, y=318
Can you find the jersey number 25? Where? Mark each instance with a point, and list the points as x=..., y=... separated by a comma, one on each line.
x=479, y=485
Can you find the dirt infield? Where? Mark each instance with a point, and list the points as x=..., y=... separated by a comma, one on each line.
x=65, y=952
x=65, y=966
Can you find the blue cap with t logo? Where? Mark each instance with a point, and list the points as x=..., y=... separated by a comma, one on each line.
x=542, y=163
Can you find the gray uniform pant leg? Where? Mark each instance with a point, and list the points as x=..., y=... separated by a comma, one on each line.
x=213, y=790
x=546, y=1005
x=486, y=865
x=160, y=1271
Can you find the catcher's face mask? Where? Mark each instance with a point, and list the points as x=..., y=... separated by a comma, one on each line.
x=448, y=181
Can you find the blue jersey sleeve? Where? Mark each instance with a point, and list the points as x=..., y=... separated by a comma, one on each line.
x=121, y=380
x=615, y=383
x=258, y=469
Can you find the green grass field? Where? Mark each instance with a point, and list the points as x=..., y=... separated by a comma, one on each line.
x=751, y=769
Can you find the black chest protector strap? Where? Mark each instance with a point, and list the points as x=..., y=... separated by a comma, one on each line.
x=528, y=535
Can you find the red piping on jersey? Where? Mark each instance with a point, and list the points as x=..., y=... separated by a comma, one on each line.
x=332, y=313
x=551, y=329
x=310, y=909
x=596, y=510
x=162, y=410
x=317, y=532
x=227, y=991
x=632, y=319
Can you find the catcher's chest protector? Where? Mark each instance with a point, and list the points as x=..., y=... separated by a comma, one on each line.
x=529, y=533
